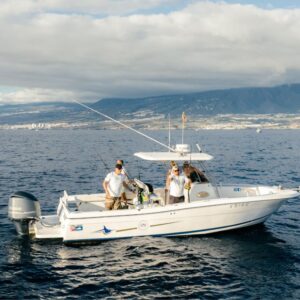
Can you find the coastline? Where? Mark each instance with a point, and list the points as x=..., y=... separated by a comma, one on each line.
x=160, y=122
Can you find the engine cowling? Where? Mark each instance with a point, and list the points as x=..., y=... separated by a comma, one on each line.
x=22, y=208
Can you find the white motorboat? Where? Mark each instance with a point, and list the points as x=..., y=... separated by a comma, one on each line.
x=207, y=208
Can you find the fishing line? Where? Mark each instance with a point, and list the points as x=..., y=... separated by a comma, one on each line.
x=124, y=125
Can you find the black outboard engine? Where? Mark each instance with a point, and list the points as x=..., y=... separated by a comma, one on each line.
x=22, y=208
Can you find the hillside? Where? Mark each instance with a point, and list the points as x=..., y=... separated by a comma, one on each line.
x=274, y=100
x=280, y=99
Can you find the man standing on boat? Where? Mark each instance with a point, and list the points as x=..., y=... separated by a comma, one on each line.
x=112, y=185
x=124, y=172
x=175, y=184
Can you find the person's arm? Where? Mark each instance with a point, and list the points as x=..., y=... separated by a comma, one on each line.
x=105, y=186
x=126, y=185
x=187, y=183
x=125, y=174
x=169, y=178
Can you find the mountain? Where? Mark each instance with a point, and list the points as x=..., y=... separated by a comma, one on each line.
x=279, y=99
x=39, y=112
x=272, y=100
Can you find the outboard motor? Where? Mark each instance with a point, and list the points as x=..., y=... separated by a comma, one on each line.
x=22, y=208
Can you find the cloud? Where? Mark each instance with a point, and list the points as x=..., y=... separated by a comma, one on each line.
x=91, y=7
x=36, y=95
x=51, y=50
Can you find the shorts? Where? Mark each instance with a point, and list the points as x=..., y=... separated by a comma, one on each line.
x=112, y=203
x=173, y=199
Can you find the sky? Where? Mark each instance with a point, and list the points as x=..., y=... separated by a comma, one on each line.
x=59, y=50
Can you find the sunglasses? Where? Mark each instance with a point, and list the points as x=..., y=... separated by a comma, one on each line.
x=176, y=170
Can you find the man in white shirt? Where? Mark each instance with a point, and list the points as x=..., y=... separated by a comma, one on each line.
x=175, y=184
x=127, y=180
x=112, y=185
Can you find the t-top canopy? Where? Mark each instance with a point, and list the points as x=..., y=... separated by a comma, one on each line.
x=166, y=156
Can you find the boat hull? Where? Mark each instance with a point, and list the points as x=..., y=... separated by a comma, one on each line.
x=178, y=220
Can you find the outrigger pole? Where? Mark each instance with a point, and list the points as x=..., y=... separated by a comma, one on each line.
x=183, y=117
x=169, y=132
x=124, y=125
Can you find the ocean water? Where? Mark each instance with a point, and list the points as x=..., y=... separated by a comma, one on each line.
x=261, y=262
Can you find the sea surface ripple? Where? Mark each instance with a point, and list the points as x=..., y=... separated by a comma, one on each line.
x=261, y=262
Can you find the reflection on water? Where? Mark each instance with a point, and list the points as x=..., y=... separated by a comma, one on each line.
x=222, y=265
x=261, y=262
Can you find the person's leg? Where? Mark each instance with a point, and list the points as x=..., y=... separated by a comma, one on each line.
x=171, y=199
x=123, y=196
x=178, y=199
x=109, y=203
x=117, y=203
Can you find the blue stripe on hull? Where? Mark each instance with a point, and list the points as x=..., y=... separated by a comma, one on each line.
x=193, y=232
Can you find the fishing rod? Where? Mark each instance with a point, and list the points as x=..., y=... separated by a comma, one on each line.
x=124, y=125
x=104, y=163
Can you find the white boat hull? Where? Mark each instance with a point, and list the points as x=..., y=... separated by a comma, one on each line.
x=184, y=219
x=173, y=222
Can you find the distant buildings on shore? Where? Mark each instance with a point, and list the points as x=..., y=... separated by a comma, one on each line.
x=38, y=126
x=218, y=122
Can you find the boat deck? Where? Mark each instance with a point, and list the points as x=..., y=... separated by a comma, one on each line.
x=48, y=228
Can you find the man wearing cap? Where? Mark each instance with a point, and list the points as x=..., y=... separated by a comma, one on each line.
x=175, y=185
x=112, y=185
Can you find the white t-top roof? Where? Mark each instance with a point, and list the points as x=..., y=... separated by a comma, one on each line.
x=166, y=156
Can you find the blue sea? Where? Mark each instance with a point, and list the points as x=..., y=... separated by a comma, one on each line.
x=261, y=262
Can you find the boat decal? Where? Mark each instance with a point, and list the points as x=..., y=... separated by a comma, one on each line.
x=161, y=224
x=126, y=229
x=105, y=230
x=143, y=225
x=76, y=227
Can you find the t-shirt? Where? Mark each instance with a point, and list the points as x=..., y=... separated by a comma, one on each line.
x=177, y=185
x=115, y=183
